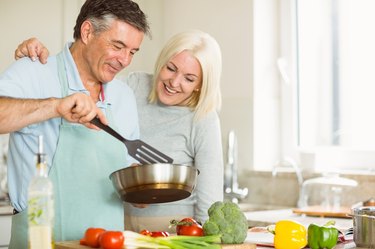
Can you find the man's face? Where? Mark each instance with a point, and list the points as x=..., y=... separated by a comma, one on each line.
x=108, y=52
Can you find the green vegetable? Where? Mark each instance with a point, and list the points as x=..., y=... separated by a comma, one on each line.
x=320, y=237
x=226, y=219
x=137, y=240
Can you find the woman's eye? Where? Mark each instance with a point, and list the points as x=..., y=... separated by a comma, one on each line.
x=171, y=69
x=190, y=80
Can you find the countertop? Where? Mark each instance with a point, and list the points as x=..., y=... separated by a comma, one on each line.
x=269, y=217
x=265, y=218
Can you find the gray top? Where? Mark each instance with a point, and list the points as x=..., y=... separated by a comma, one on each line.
x=172, y=130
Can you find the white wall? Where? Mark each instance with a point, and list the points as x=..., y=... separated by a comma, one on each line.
x=229, y=21
x=20, y=19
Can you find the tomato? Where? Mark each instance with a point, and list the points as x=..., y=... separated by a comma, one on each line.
x=91, y=237
x=112, y=240
x=145, y=232
x=188, y=226
x=154, y=234
x=159, y=234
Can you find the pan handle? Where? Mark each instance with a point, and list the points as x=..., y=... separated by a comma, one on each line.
x=361, y=215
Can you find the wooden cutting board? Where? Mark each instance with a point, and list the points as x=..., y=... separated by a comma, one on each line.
x=76, y=245
x=323, y=212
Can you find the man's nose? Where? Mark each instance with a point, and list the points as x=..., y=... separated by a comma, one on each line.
x=125, y=59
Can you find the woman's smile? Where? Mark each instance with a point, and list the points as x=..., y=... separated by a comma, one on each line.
x=169, y=90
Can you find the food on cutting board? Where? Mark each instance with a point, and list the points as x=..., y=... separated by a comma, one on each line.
x=226, y=219
x=111, y=240
x=227, y=224
x=99, y=237
x=91, y=237
x=133, y=240
x=187, y=226
x=320, y=237
x=154, y=233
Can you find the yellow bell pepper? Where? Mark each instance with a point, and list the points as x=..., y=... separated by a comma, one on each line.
x=289, y=235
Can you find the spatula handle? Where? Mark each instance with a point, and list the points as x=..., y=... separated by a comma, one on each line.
x=95, y=121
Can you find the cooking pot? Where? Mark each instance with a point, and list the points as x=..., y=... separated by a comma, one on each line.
x=364, y=226
x=155, y=183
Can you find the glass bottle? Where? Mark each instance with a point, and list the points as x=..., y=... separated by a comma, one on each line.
x=40, y=205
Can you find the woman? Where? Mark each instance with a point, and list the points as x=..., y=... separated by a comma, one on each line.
x=178, y=114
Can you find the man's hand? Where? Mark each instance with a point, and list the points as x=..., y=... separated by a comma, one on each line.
x=32, y=48
x=80, y=108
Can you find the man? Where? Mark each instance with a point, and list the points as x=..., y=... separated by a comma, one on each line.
x=57, y=100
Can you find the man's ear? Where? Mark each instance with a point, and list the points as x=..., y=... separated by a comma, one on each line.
x=86, y=31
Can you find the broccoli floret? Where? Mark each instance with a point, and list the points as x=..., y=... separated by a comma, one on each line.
x=226, y=219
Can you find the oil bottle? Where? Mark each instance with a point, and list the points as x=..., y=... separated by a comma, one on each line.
x=40, y=205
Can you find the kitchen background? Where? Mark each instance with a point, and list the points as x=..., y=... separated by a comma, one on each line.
x=241, y=27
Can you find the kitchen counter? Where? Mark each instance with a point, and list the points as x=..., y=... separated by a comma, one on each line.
x=266, y=238
x=270, y=217
x=76, y=245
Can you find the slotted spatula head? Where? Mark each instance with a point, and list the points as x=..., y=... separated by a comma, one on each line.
x=139, y=150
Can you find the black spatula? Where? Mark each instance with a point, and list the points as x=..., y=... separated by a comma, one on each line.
x=138, y=149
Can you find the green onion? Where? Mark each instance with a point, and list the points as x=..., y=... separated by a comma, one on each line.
x=136, y=240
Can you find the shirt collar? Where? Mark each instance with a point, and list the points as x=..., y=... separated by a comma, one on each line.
x=75, y=83
x=74, y=80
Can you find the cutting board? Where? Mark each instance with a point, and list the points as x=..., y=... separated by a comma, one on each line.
x=76, y=245
x=320, y=211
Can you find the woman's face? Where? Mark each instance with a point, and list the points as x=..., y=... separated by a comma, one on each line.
x=179, y=79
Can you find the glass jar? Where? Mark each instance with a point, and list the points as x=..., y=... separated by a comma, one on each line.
x=325, y=192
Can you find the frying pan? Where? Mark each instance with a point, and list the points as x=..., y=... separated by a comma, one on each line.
x=155, y=183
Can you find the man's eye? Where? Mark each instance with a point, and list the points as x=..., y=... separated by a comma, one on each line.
x=117, y=47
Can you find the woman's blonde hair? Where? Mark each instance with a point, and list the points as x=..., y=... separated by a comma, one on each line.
x=207, y=51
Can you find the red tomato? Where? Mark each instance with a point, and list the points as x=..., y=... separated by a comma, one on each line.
x=159, y=234
x=145, y=232
x=189, y=226
x=112, y=240
x=91, y=237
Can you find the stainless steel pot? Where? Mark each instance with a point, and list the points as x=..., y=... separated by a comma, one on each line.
x=155, y=183
x=364, y=226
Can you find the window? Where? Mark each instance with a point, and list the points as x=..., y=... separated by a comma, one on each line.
x=324, y=96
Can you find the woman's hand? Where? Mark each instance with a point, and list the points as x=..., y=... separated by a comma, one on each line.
x=33, y=49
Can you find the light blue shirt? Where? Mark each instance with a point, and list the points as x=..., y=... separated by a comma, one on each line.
x=27, y=79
